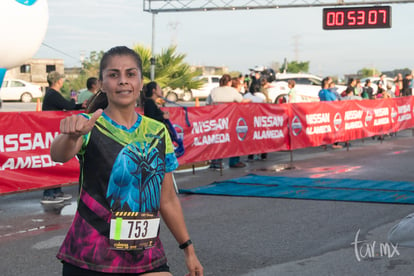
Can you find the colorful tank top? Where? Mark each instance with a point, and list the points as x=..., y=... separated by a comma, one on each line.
x=121, y=170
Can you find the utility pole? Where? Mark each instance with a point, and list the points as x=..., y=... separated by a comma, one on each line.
x=153, y=48
x=296, y=46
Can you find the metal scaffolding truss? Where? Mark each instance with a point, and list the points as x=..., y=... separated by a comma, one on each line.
x=158, y=6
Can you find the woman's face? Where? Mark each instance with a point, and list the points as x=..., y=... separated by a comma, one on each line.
x=121, y=80
x=158, y=91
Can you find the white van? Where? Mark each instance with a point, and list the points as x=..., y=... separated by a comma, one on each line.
x=209, y=82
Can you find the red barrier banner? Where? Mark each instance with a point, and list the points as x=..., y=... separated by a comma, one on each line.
x=227, y=130
x=25, y=161
x=314, y=124
x=208, y=132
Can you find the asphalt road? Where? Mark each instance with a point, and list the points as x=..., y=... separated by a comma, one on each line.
x=245, y=235
x=17, y=106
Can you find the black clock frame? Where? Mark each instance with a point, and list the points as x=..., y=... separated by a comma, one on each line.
x=357, y=18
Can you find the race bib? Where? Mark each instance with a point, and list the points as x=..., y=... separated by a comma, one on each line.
x=133, y=230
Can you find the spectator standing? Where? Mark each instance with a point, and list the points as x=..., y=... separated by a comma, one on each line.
x=54, y=101
x=358, y=88
x=368, y=91
x=325, y=94
x=383, y=81
x=92, y=87
x=127, y=164
x=382, y=93
x=256, y=87
x=226, y=93
x=255, y=97
x=398, y=81
x=246, y=83
x=334, y=89
x=292, y=95
x=389, y=90
x=407, y=83
x=350, y=88
x=149, y=95
x=242, y=81
x=350, y=91
x=264, y=90
x=255, y=84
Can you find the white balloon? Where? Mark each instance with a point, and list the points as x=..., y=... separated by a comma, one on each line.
x=23, y=25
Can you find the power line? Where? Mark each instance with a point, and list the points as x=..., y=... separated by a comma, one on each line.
x=57, y=50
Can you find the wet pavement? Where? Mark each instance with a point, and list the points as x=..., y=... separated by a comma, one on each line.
x=247, y=235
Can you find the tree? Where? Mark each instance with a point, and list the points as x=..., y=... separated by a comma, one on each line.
x=170, y=68
x=295, y=67
x=90, y=68
x=368, y=72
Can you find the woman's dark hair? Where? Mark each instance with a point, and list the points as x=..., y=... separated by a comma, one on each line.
x=235, y=82
x=99, y=100
x=149, y=88
x=324, y=82
x=224, y=80
x=147, y=92
x=119, y=51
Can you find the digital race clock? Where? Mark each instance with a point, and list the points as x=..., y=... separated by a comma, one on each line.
x=357, y=18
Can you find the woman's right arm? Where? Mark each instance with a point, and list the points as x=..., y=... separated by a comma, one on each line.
x=69, y=142
x=65, y=147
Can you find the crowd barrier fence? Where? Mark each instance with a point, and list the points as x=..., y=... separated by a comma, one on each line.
x=208, y=132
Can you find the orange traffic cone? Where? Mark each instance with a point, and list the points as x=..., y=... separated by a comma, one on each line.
x=197, y=102
x=38, y=105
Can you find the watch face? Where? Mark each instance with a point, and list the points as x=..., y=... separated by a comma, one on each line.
x=357, y=18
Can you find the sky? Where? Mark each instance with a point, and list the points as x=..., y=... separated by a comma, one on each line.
x=238, y=40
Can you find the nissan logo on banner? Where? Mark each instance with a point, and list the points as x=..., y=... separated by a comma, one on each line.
x=241, y=129
x=296, y=126
x=394, y=114
x=180, y=131
x=337, y=121
x=368, y=118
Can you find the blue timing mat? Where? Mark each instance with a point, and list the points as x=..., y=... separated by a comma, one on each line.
x=311, y=188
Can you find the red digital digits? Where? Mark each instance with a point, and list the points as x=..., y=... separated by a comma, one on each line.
x=357, y=18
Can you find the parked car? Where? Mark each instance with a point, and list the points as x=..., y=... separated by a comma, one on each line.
x=176, y=94
x=209, y=82
x=19, y=90
x=307, y=87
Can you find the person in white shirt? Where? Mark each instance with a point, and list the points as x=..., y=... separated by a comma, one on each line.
x=225, y=93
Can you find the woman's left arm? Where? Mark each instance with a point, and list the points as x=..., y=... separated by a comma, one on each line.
x=172, y=214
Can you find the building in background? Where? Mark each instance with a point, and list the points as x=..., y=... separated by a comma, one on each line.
x=36, y=70
x=210, y=70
